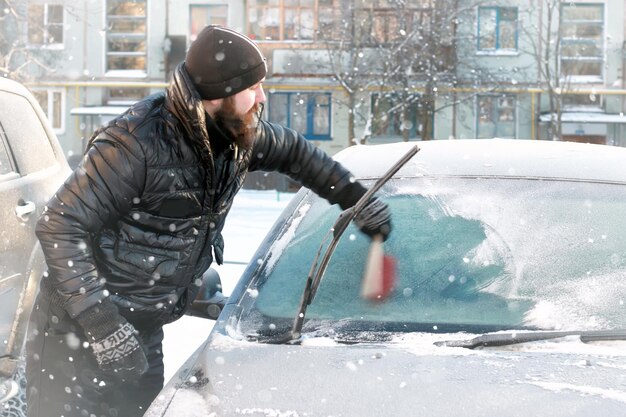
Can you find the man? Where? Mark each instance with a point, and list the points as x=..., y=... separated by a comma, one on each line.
x=134, y=227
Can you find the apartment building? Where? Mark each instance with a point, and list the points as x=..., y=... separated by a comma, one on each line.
x=342, y=71
x=558, y=68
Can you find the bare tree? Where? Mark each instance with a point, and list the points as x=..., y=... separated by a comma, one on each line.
x=420, y=59
x=547, y=47
x=399, y=52
x=542, y=32
x=406, y=55
x=348, y=45
x=17, y=57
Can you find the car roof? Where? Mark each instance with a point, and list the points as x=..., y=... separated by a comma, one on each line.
x=13, y=87
x=491, y=158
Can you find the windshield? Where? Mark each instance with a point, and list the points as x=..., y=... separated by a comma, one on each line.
x=472, y=254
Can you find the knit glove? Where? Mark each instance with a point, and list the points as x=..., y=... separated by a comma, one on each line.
x=374, y=219
x=114, y=342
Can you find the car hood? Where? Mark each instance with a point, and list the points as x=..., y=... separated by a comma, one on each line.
x=409, y=376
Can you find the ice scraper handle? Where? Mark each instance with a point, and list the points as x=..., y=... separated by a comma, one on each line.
x=114, y=342
x=379, y=278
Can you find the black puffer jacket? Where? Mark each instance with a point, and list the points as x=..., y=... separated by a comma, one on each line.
x=138, y=218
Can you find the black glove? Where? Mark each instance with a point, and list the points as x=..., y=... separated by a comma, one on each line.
x=374, y=219
x=114, y=341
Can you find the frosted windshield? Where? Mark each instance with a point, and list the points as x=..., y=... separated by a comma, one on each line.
x=471, y=253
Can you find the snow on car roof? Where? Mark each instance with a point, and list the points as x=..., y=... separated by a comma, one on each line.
x=491, y=158
x=11, y=86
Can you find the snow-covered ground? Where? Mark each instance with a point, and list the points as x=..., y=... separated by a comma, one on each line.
x=251, y=216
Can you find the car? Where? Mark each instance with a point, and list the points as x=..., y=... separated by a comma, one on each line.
x=32, y=167
x=509, y=294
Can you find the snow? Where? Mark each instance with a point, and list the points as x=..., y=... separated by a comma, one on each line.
x=269, y=412
x=586, y=117
x=251, y=216
x=586, y=390
x=193, y=402
x=279, y=246
x=490, y=157
x=225, y=343
x=254, y=212
x=99, y=110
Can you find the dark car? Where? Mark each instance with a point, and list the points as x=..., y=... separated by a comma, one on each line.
x=509, y=300
x=32, y=167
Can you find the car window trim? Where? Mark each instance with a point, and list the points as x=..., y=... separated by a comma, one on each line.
x=6, y=145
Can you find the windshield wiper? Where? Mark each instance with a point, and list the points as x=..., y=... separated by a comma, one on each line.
x=513, y=338
x=319, y=267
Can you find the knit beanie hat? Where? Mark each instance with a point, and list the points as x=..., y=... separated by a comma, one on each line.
x=222, y=62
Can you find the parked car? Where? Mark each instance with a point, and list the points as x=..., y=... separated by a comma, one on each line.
x=32, y=167
x=509, y=300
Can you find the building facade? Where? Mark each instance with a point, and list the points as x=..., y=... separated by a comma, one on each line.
x=341, y=71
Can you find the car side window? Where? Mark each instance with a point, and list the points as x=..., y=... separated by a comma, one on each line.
x=25, y=134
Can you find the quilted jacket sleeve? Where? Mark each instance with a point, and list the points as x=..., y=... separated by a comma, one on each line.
x=98, y=192
x=281, y=149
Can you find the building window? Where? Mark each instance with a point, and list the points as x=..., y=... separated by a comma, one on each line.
x=125, y=96
x=201, y=16
x=582, y=42
x=383, y=24
x=582, y=102
x=126, y=36
x=298, y=19
x=496, y=116
x=497, y=28
x=277, y=20
x=45, y=24
x=328, y=20
x=52, y=103
x=307, y=113
x=264, y=20
x=394, y=118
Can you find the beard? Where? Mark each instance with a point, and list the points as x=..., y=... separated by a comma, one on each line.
x=241, y=129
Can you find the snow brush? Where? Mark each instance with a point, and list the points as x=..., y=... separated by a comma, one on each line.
x=379, y=278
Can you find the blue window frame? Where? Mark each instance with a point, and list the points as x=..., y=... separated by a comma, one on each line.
x=496, y=116
x=393, y=115
x=307, y=113
x=497, y=28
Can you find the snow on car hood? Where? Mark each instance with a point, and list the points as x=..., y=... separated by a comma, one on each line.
x=408, y=376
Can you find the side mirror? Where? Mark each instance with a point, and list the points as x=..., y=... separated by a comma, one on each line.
x=210, y=301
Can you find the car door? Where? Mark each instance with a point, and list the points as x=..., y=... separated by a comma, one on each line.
x=31, y=170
